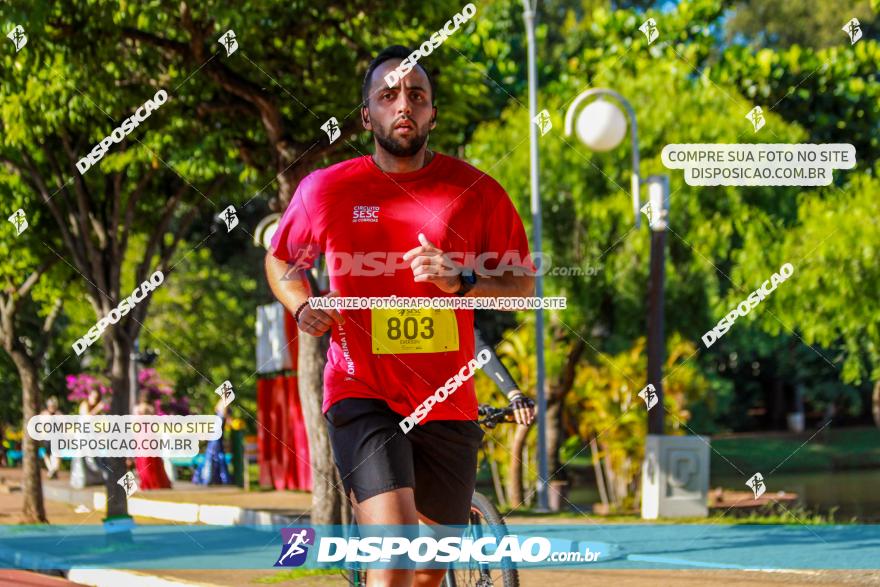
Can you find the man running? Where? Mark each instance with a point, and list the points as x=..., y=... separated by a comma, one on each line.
x=395, y=217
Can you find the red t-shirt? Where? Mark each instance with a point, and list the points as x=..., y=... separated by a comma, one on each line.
x=358, y=215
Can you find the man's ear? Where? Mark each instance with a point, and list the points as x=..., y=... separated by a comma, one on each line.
x=365, y=118
x=434, y=118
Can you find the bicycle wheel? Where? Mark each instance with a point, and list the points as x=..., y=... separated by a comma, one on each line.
x=357, y=576
x=484, y=520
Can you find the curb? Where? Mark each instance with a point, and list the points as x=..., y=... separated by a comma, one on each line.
x=94, y=577
x=190, y=513
x=17, y=559
x=114, y=578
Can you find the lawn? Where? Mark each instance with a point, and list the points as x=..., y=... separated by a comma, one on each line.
x=832, y=449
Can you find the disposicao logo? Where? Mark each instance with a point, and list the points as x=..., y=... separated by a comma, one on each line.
x=295, y=547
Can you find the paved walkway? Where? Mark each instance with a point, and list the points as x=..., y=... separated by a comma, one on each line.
x=28, y=579
x=187, y=502
x=297, y=503
x=580, y=578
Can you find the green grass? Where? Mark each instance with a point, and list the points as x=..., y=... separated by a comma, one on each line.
x=835, y=448
x=254, y=479
x=770, y=515
x=844, y=448
x=294, y=574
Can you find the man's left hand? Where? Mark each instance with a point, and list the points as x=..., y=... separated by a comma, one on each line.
x=524, y=408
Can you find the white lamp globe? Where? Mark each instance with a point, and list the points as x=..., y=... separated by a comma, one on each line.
x=266, y=230
x=601, y=125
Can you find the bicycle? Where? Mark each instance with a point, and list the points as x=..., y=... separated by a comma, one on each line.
x=484, y=519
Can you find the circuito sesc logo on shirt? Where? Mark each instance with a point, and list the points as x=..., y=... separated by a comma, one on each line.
x=365, y=214
x=295, y=547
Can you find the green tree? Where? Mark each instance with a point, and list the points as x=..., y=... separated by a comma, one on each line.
x=206, y=315
x=808, y=23
x=30, y=304
x=610, y=418
x=830, y=298
x=58, y=96
x=587, y=211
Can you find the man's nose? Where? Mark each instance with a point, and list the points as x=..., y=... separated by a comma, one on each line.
x=404, y=104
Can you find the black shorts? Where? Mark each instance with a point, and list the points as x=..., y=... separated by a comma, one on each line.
x=438, y=459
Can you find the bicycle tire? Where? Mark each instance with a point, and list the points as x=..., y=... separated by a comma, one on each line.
x=482, y=508
x=357, y=576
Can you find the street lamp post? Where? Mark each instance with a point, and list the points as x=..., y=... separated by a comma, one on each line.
x=658, y=199
x=543, y=470
x=601, y=126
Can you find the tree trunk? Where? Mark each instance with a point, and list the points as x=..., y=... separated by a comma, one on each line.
x=496, y=476
x=875, y=404
x=611, y=484
x=327, y=492
x=555, y=404
x=114, y=468
x=554, y=439
x=777, y=410
x=597, y=468
x=33, y=510
x=515, y=476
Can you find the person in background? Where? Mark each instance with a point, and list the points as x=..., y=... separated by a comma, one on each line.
x=92, y=405
x=3, y=462
x=151, y=470
x=53, y=463
x=85, y=471
x=214, y=469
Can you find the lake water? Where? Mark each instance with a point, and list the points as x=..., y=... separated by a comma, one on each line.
x=855, y=493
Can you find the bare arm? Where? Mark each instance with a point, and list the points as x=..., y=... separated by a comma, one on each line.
x=292, y=293
x=508, y=285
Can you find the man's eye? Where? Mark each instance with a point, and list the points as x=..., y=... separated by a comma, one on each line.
x=416, y=96
x=386, y=95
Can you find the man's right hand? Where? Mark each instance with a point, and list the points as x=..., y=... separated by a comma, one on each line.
x=316, y=322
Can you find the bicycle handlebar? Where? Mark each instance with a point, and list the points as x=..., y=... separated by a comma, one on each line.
x=490, y=416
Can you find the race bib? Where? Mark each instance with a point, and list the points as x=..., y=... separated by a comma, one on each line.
x=425, y=330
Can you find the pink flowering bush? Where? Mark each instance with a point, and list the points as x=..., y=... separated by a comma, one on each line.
x=79, y=387
x=161, y=394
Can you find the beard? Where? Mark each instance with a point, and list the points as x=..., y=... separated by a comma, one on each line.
x=401, y=147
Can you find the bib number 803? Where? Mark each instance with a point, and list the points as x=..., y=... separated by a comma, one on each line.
x=417, y=331
x=409, y=328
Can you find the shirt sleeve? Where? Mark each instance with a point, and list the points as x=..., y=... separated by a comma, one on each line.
x=505, y=245
x=294, y=240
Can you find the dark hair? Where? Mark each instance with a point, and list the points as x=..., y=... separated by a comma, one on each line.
x=392, y=52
